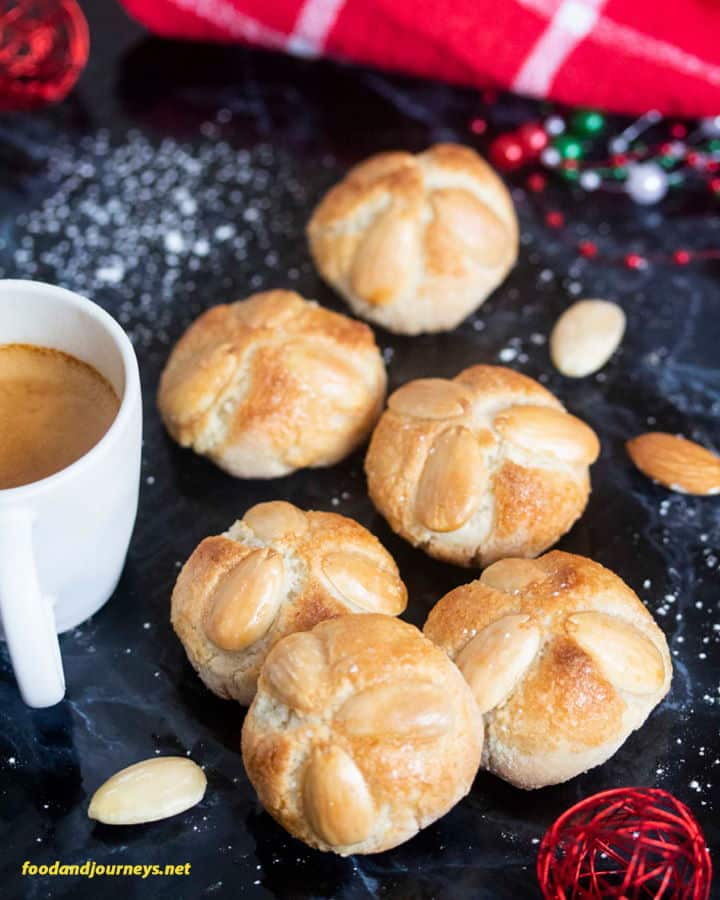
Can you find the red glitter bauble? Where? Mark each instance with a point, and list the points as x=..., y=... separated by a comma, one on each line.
x=507, y=152
x=554, y=219
x=533, y=138
x=681, y=257
x=628, y=844
x=43, y=49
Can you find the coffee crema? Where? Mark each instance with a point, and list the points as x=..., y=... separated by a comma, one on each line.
x=53, y=409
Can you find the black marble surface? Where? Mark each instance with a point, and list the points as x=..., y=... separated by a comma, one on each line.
x=177, y=177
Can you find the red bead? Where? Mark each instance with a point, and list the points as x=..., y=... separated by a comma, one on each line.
x=628, y=842
x=678, y=130
x=536, y=182
x=533, y=138
x=693, y=158
x=478, y=126
x=571, y=164
x=507, y=152
x=554, y=219
x=715, y=185
x=588, y=249
x=635, y=261
x=666, y=149
x=681, y=257
x=619, y=159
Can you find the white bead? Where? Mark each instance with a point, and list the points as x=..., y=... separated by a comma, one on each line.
x=554, y=125
x=551, y=157
x=646, y=183
x=590, y=180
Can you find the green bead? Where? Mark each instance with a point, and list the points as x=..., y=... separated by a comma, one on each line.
x=570, y=174
x=568, y=147
x=588, y=121
x=714, y=145
x=667, y=162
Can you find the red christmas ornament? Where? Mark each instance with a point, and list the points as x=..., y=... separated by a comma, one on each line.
x=478, y=126
x=627, y=844
x=533, y=138
x=715, y=185
x=43, y=48
x=588, y=249
x=554, y=219
x=507, y=152
x=635, y=261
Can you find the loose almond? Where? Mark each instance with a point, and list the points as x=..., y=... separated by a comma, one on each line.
x=409, y=710
x=430, y=398
x=512, y=575
x=541, y=429
x=451, y=483
x=276, y=519
x=496, y=658
x=336, y=798
x=626, y=657
x=364, y=583
x=246, y=601
x=585, y=337
x=148, y=791
x=676, y=463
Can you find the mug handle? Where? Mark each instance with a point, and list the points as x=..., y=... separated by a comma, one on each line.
x=27, y=614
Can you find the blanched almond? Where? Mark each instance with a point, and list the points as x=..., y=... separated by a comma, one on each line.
x=410, y=709
x=541, y=429
x=336, y=798
x=362, y=582
x=676, y=463
x=585, y=337
x=512, y=575
x=430, y=398
x=626, y=657
x=496, y=658
x=246, y=601
x=449, y=490
x=471, y=223
x=295, y=670
x=276, y=519
x=386, y=260
x=148, y=791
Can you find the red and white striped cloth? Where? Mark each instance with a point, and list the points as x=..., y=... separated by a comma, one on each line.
x=623, y=55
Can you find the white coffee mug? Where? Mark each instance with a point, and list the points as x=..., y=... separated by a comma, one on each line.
x=63, y=539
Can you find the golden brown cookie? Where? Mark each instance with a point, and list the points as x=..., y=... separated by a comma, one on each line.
x=563, y=659
x=486, y=465
x=272, y=384
x=276, y=571
x=416, y=242
x=361, y=733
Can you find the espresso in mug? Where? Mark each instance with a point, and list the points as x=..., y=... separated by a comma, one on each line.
x=53, y=409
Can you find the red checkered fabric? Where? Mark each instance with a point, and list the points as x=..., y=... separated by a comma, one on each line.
x=622, y=55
